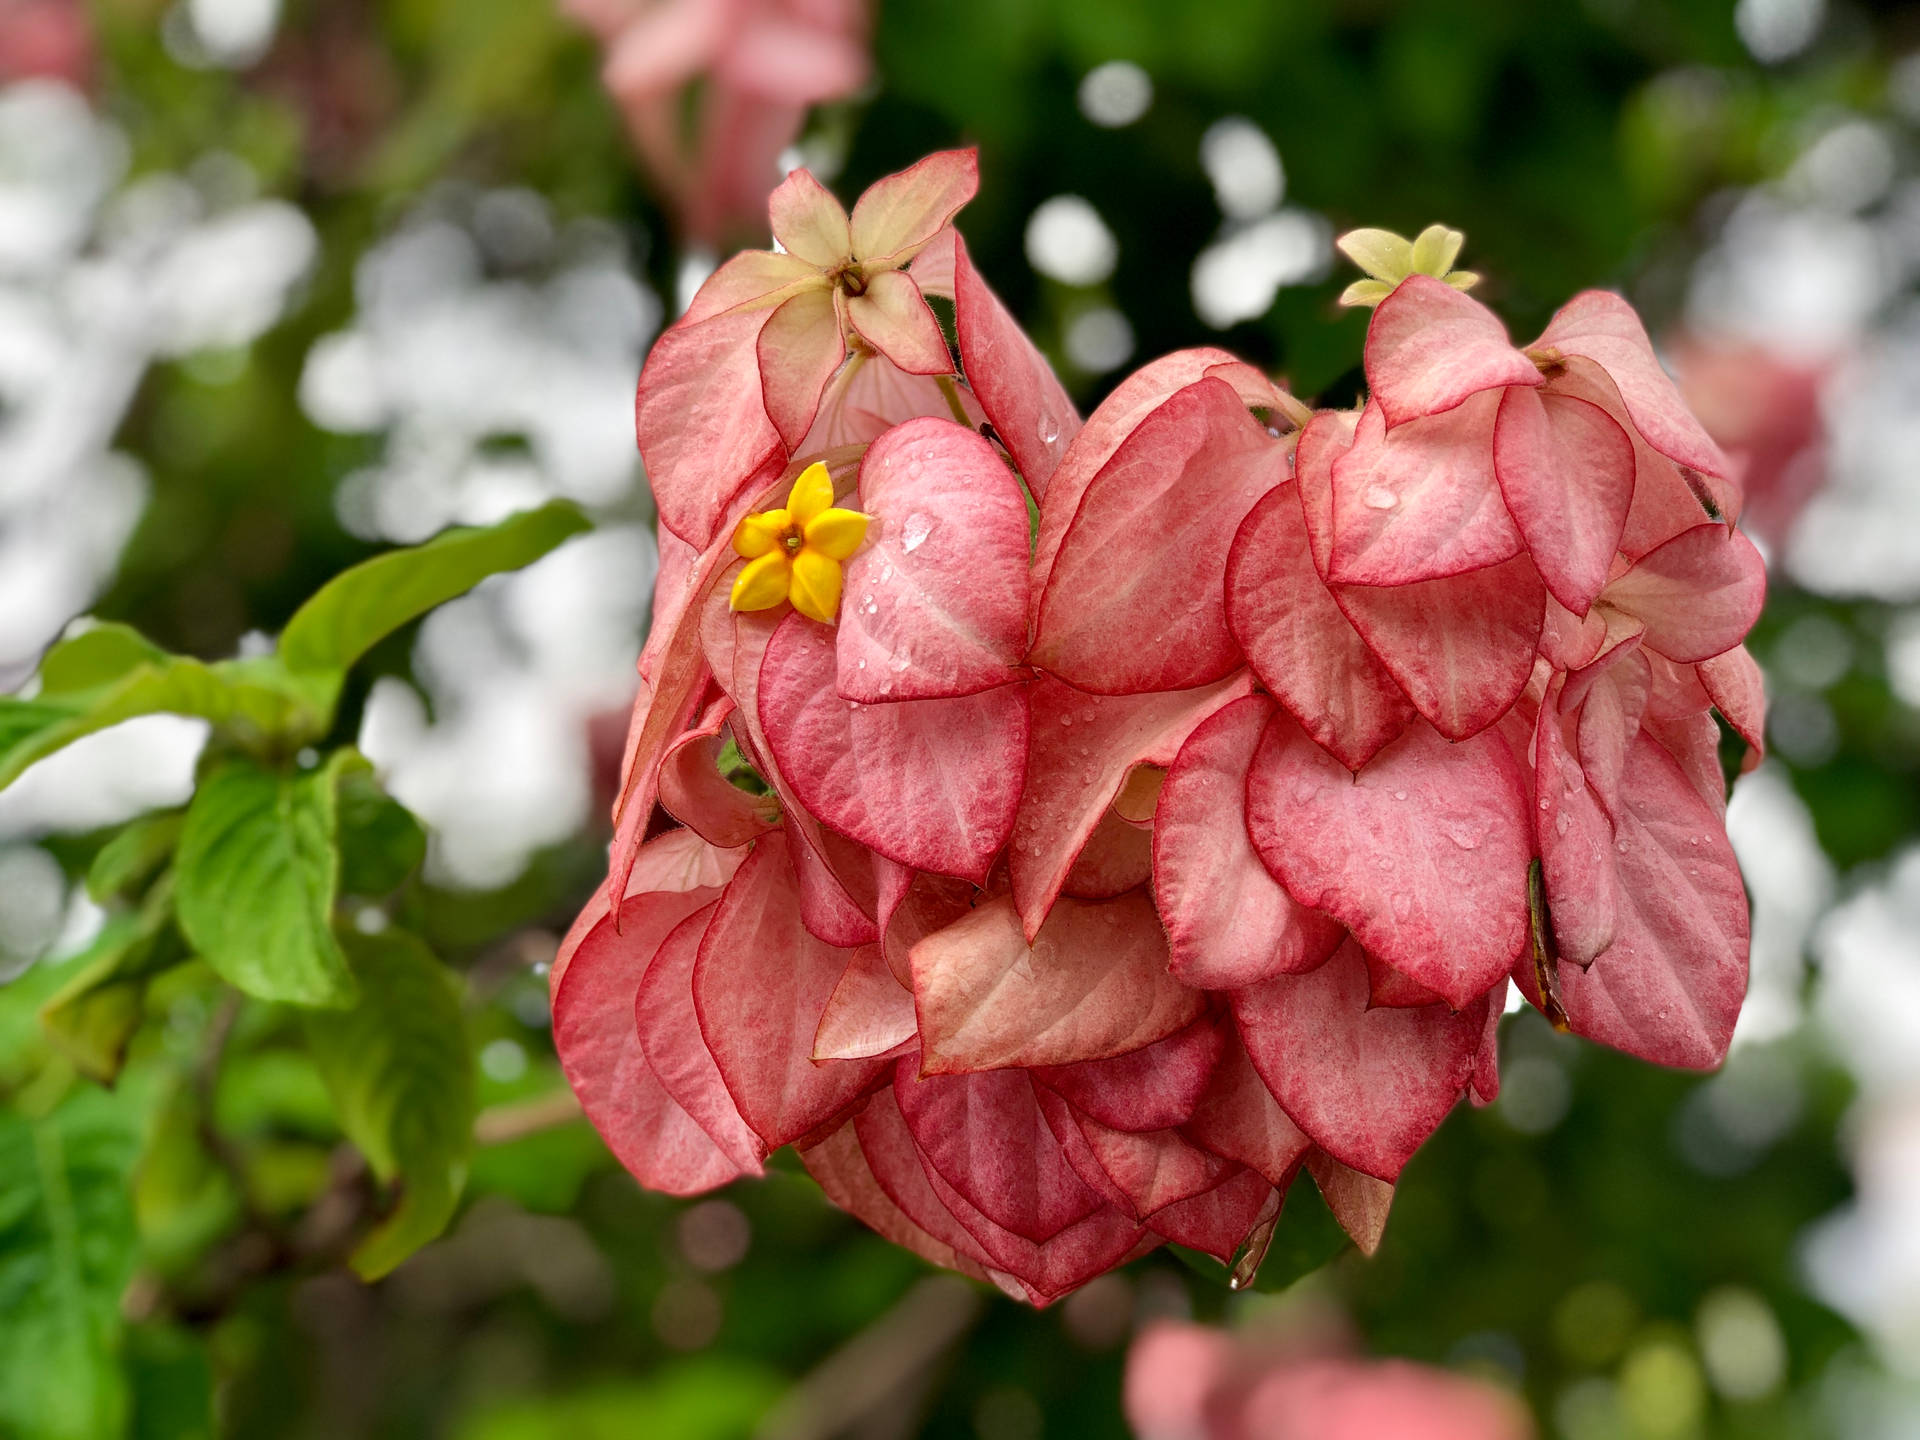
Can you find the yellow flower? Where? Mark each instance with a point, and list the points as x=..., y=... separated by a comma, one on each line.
x=795, y=553
x=1389, y=258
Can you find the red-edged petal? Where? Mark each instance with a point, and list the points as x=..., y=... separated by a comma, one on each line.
x=869, y=1013
x=1566, y=470
x=902, y=212
x=1135, y=600
x=1420, y=501
x=1423, y=854
x=702, y=424
x=870, y=394
x=935, y=604
x=1217, y=1222
x=893, y=319
x=1461, y=648
x=932, y=784
x=840, y=1167
x=1429, y=347
x=1296, y=637
x=1358, y=1201
x=1147, y=1089
x=799, y=349
x=753, y=279
x=599, y=1049
x=1083, y=747
x=1669, y=988
x=1697, y=595
x=1150, y=1169
x=1602, y=327
x=1485, y=1088
x=695, y=793
x=1238, y=1119
x=1093, y=983
x=837, y=876
x=1738, y=691
x=809, y=222
x=1117, y=417
x=1576, y=844
x=760, y=987
x=986, y=1137
x=1024, y=399
x=1369, y=1086
x=663, y=1019
x=676, y=861
x=1044, y=1272
x=1229, y=922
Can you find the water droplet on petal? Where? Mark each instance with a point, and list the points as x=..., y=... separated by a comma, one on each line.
x=1562, y=823
x=915, y=532
x=1465, y=834
x=1399, y=794
x=1379, y=497
x=1066, y=719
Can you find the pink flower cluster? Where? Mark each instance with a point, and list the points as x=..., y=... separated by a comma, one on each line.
x=1187, y=1382
x=1102, y=865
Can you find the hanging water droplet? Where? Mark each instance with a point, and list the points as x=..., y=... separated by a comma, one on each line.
x=1379, y=497
x=915, y=532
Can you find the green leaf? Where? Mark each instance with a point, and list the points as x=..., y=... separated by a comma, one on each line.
x=96, y=656
x=172, y=1381
x=94, y=1015
x=355, y=610
x=257, y=703
x=401, y=1074
x=707, y=1398
x=67, y=1249
x=381, y=843
x=131, y=858
x=256, y=877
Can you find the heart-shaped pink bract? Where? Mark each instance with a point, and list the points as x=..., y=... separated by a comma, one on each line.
x=1141, y=812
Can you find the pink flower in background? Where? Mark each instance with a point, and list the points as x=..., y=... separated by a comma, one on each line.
x=761, y=64
x=1064, y=886
x=51, y=39
x=1188, y=1382
x=1764, y=410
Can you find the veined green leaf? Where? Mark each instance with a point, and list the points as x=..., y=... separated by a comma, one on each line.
x=381, y=843
x=67, y=1249
x=400, y=1070
x=256, y=875
x=355, y=610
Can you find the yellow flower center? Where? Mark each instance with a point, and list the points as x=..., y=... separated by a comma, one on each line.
x=795, y=553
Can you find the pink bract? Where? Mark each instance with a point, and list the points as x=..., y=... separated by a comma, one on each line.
x=1087, y=879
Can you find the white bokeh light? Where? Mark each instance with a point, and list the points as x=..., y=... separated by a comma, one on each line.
x=1069, y=242
x=1115, y=94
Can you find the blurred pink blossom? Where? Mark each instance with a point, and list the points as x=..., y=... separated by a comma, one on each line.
x=1188, y=1382
x=760, y=64
x=46, y=38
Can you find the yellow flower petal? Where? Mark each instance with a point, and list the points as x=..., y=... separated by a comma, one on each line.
x=836, y=533
x=758, y=534
x=815, y=590
x=1365, y=292
x=762, y=583
x=812, y=493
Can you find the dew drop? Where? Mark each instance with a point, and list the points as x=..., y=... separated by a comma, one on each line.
x=1305, y=789
x=1049, y=429
x=1465, y=834
x=1379, y=497
x=898, y=662
x=1399, y=794
x=1066, y=719
x=1383, y=863
x=861, y=665
x=915, y=532
x=1563, y=823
